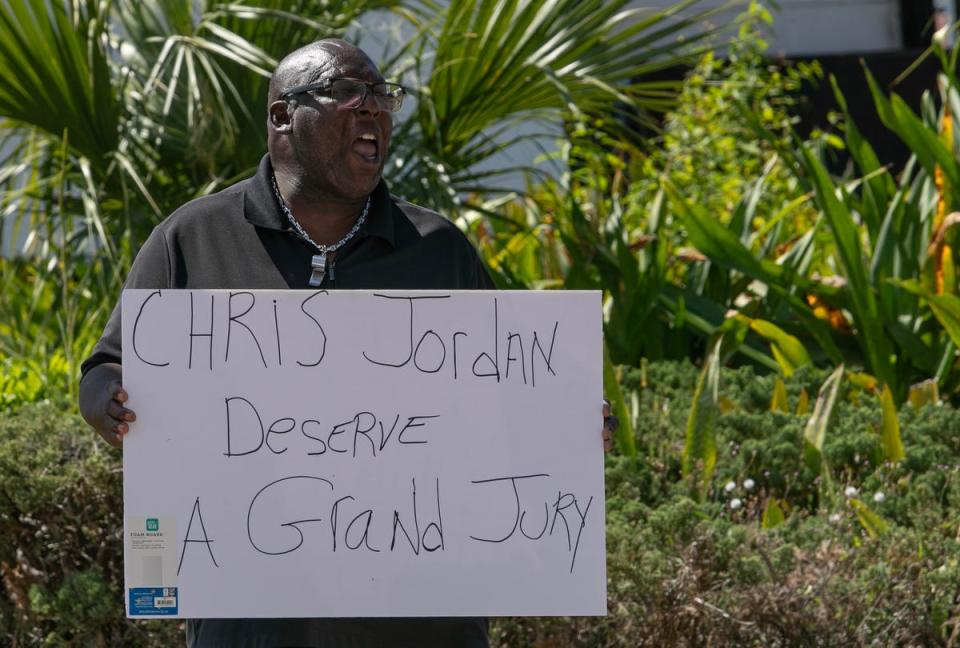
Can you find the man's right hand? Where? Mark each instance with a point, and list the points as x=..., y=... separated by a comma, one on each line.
x=102, y=399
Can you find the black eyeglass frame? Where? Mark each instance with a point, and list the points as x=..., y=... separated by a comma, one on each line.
x=326, y=86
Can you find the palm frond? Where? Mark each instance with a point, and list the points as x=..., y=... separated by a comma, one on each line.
x=498, y=62
x=55, y=74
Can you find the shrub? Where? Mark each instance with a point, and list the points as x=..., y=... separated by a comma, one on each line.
x=683, y=573
x=61, y=536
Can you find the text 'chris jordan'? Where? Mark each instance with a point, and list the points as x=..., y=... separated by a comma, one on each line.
x=217, y=322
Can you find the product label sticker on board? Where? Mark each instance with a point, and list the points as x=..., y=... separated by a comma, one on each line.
x=153, y=601
x=151, y=568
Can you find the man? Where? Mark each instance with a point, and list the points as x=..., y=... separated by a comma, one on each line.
x=317, y=213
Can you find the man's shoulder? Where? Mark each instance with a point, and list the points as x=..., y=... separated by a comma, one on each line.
x=428, y=223
x=209, y=211
x=440, y=246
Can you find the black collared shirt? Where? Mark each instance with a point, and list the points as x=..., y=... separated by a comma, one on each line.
x=239, y=239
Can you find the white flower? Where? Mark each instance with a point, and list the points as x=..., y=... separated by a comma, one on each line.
x=128, y=52
x=748, y=484
x=942, y=36
x=851, y=491
x=834, y=518
x=879, y=497
x=735, y=503
x=730, y=487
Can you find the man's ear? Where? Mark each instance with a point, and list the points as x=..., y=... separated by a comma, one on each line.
x=280, y=116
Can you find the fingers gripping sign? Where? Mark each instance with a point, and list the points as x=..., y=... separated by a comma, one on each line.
x=118, y=417
x=103, y=403
x=610, y=425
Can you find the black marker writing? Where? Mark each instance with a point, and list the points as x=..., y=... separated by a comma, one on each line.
x=334, y=517
x=230, y=428
x=303, y=431
x=280, y=426
x=416, y=525
x=187, y=539
x=511, y=358
x=417, y=355
x=495, y=359
x=546, y=356
x=136, y=323
x=276, y=328
x=323, y=344
x=235, y=319
x=247, y=432
x=194, y=334
x=410, y=355
x=352, y=525
x=421, y=539
x=516, y=496
x=299, y=481
x=366, y=516
x=455, y=334
x=560, y=511
x=364, y=431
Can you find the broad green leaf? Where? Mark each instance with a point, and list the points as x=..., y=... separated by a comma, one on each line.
x=880, y=186
x=787, y=350
x=779, y=401
x=694, y=311
x=866, y=314
x=889, y=250
x=890, y=439
x=803, y=404
x=718, y=242
x=723, y=247
x=55, y=74
x=946, y=308
x=863, y=381
x=700, y=447
x=922, y=141
x=871, y=521
x=924, y=393
x=816, y=429
x=772, y=515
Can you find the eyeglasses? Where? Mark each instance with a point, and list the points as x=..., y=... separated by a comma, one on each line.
x=351, y=93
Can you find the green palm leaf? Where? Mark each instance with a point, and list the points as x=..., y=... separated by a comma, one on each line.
x=506, y=62
x=55, y=74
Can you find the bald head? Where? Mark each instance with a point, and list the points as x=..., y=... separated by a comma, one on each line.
x=311, y=63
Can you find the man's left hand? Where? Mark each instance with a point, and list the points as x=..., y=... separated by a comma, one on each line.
x=610, y=425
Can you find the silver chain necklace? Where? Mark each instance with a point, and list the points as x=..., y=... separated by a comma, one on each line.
x=319, y=261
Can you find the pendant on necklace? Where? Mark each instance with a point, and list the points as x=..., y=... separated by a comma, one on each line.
x=319, y=265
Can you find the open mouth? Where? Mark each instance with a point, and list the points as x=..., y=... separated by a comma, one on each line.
x=368, y=147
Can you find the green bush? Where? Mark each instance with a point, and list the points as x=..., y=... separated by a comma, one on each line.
x=683, y=573
x=708, y=148
x=61, y=536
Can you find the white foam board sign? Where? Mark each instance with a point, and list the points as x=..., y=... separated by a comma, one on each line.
x=363, y=453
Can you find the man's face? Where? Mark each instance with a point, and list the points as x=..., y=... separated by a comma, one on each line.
x=342, y=151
